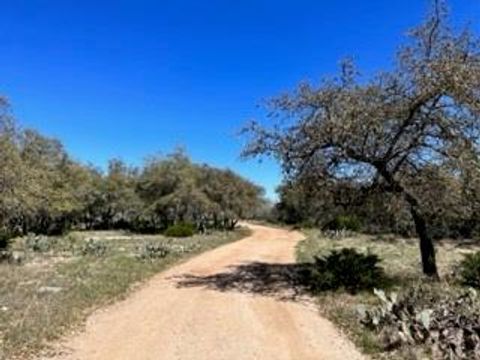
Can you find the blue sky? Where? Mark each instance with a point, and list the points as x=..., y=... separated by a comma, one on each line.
x=135, y=77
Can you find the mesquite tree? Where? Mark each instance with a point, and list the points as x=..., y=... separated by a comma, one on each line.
x=390, y=129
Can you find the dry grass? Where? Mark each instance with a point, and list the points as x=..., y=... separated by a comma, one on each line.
x=401, y=261
x=53, y=291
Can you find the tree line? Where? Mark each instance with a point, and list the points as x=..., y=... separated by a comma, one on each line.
x=43, y=190
x=452, y=205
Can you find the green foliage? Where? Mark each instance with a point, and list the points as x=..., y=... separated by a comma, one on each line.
x=381, y=134
x=94, y=247
x=307, y=224
x=180, y=230
x=44, y=191
x=154, y=251
x=38, y=243
x=4, y=240
x=345, y=222
x=345, y=269
x=446, y=323
x=470, y=270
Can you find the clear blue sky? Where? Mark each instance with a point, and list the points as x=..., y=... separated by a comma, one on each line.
x=135, y=77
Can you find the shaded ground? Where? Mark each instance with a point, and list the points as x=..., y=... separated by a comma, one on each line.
x=281, y=281
x=239, y=301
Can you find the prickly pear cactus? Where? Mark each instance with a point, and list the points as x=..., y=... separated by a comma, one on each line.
x=449, y=326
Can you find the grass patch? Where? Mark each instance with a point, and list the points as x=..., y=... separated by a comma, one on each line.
x=401, y=262
x=53, y=291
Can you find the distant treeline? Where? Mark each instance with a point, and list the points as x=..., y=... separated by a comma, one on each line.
x=452, y=204
x=43, y=190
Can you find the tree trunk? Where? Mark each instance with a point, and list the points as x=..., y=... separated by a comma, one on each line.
x=427, y=249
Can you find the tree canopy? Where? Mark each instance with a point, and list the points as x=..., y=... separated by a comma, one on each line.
x=407, y=130
x=43, y=190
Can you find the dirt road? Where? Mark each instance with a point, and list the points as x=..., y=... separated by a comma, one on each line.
x=231, y=303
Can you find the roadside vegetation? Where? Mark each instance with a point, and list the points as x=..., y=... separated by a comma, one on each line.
x=385, y=172
x=383, y=314
x=403, y=144
x=44, y=191
x=51, y=284
x=74, y=237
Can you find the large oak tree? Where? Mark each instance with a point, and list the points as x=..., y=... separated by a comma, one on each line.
x=387, y=130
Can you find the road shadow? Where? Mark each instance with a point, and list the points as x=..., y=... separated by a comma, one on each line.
x=281, y=281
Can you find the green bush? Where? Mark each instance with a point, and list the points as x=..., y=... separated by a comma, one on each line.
x=470, y=270
x=154, y=251
x=345, y=269
x=38, y=243
x=94, y=248
x=180, y=230
x=345, y=222
x=307, y=224
x=4, y=240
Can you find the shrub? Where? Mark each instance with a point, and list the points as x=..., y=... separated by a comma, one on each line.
x=5, y=255
x=470, y=270
x=154, y=251
x=94, y=248
x=345, y=269
x=4, y=240
x=38, y=243
x=183, y=248
x=345, y=222
x=180, y=230
x=337, y=234
x=307, y=224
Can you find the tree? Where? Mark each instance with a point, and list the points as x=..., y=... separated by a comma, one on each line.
x=387, y=130
x=233, y=197
x=46, y=196
x=176, y=190
x=42, y=190
x=170, y=191
x=119, y=203
x=10, y=174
